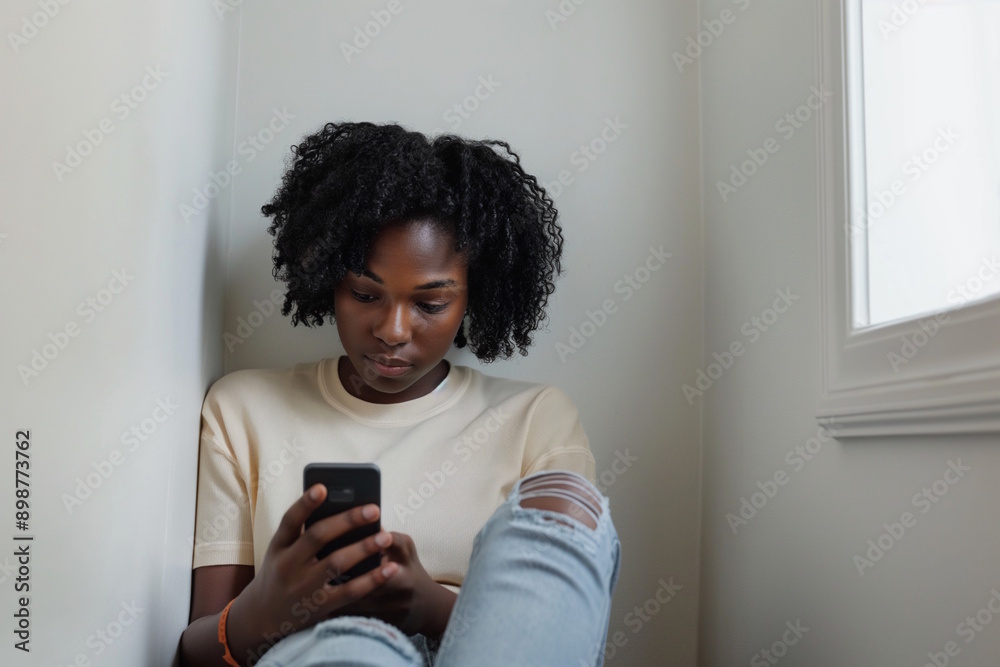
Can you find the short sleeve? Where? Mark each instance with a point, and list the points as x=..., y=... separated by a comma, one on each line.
x=555, y=438
x=223, y=526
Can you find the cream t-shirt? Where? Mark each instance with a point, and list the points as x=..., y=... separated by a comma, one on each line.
x=448, y=459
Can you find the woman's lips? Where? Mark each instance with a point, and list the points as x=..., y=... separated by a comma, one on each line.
x=390, y=367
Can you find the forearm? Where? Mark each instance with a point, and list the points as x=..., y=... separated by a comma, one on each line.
x=441, y=601
x=200, y=643
x=200, y=646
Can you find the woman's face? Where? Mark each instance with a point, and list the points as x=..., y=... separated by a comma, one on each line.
x=399, y=318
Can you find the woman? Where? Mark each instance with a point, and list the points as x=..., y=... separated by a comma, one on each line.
x=410, y=246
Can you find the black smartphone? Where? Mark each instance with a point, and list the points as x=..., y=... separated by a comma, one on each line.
x=347, y=485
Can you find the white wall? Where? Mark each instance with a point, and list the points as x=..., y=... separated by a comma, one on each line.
x=62, y=237
x=556, y=88
x=151, y=200
x=161, y=337
x=793, y=561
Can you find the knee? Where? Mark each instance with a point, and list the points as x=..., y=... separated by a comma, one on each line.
x=563, y=493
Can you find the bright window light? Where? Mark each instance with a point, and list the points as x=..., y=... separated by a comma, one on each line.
x=930, y=234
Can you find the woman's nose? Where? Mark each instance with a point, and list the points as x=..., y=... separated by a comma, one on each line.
x=393, y=325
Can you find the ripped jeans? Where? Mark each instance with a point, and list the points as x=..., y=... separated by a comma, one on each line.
x=538, y=592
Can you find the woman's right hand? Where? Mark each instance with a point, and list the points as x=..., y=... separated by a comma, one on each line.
x=291, y=591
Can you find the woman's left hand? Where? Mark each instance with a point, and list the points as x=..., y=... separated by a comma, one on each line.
x=410, y=600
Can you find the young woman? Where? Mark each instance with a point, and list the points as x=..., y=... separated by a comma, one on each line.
x=410, y=246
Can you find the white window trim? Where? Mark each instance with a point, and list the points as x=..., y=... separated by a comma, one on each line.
x=952, y=384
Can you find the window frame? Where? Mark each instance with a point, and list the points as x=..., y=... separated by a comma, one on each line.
x=951, y=383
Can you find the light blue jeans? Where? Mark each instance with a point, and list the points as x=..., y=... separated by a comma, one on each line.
x=538, y=593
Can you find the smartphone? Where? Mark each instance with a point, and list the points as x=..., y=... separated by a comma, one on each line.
x=347, y=485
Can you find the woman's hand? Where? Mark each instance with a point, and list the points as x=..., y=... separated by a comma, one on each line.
x=411, y=600
x=291, y=590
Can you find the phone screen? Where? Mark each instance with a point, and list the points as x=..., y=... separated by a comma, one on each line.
x=347, y=485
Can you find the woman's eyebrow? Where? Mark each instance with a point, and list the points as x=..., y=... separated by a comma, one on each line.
x=434, y=284
x=437, y=284
x=368, y=274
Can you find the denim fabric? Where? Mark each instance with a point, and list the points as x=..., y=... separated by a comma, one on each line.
x=348, y=641
x=537, y=594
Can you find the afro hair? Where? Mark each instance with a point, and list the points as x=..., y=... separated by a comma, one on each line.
x=347, y=181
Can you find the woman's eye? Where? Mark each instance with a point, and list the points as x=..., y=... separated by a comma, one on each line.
x=362, y=297
x=432, y=308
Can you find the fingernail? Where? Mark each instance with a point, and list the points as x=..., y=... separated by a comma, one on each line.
x=314, y=492
x=369, y=512
x=389, y=570
x=382, y=539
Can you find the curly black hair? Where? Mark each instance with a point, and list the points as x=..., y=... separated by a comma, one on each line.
x=347, y=181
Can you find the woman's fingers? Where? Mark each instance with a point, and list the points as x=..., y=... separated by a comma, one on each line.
x=358, y=587
x=289, y=533
x=324, y=598
x=319, y=534
x=342, y=560
x=290, y=526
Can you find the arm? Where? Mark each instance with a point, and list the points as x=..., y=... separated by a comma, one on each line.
x=211, y=590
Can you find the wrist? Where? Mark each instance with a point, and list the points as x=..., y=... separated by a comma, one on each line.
x=441, y=600
x=239, y=636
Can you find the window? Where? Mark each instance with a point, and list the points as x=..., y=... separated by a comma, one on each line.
x=910, y=208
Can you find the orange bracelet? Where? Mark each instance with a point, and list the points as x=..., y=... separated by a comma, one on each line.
x=227, y=656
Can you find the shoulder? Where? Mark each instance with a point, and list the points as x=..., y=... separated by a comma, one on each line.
x=254, y=385
x=533, y=396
